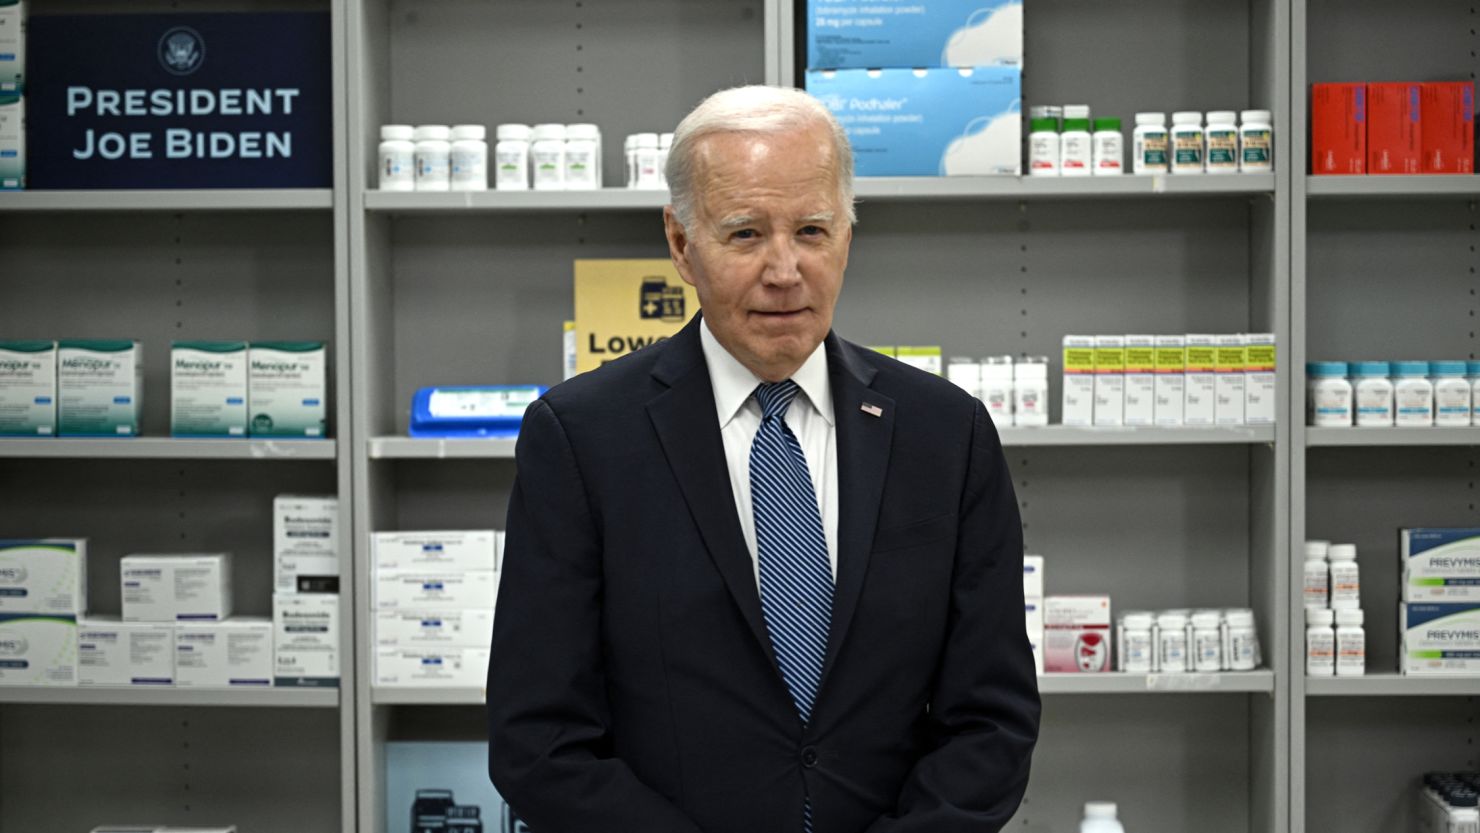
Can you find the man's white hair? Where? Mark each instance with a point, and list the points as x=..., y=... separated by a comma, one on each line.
x=754, y=109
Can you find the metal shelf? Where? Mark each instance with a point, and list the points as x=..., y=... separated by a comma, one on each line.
x=1392, y=685
x=1388, y=437
x=1052, y=435
x=166, y=448
x=1029, y=187
x=409, y=448
x=386, y=696
x=223, y=199
x=417, y=448
x=1438, y=185
x=466, y=202
x=320, y=698
x=880, y=189
x=1231, y=682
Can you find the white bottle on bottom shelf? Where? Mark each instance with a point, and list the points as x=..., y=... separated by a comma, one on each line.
x=1100, y=817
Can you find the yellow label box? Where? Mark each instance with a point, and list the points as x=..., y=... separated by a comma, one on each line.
x=625, y=305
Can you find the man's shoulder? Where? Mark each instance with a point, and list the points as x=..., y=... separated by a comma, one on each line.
x=619, y=383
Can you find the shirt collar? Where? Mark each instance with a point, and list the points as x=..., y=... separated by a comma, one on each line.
x=734, y=383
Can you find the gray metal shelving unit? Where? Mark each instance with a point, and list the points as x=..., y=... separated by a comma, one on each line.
x=1382, y=267
x=158, y=266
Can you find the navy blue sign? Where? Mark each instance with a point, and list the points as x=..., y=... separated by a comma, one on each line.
x=179, y=101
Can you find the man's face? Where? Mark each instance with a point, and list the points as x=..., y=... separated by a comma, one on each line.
x=768, y=245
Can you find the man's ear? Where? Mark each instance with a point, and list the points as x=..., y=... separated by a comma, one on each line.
x=678, y=244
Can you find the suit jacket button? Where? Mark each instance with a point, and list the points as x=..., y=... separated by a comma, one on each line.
x=809, y=757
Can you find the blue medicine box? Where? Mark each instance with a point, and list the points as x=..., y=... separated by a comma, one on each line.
x=860, y=34
x=927, y=122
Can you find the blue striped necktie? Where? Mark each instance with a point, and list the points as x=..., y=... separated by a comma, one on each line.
x=796, y=578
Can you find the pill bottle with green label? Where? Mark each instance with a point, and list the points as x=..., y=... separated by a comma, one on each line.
x=1187, y=143
x=1256, y=140
x=1221, y=138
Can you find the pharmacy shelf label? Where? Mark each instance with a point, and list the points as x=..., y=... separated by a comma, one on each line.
x=159, y=101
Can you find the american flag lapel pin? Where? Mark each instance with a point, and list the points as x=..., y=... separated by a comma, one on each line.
x=872, y=409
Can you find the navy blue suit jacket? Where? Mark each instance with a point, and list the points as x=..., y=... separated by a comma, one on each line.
x=632, y=686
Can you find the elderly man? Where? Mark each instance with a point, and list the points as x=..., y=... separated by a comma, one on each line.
x=759, y=579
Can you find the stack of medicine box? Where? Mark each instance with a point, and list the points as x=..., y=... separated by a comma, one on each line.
x=923, y=89
x=1439, y=615
x=43, y=591
x=76, y=388
x=1169, y=381
x=1393, y=128
x=434, y=598
x=305, y=600
x=236, y=389
x=1033, y=606
x=191, y=596
x=12, y=95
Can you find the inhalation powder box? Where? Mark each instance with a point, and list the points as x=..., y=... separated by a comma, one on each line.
x=1076, y=634
x=305, y=540
x=1439, y=638
x=1079, y=380
x=28, y=388
x=1140, y=380
x=946, y=33
x=1201, y=381
x=38, y=650
x=305, y=640
x=12, y=138
x=1440, y=565
x=431, y=667
x=1171, y=379
x=446, y=551
x=208, y=389
x=287, y=389
x=1260, y=381
x=419, y=590
x=919, y=122
x=1109, y=380
x=236, y=653
x=1228, y=382
x=46, y=576
x=434, y=628
x=111, y=652
x=100, y=385
x=170, y=588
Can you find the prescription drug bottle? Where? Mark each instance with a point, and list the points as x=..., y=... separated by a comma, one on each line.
x=1076, y=148
x=1328, y=395
x=1222, y=156
x=433, y=157
x=1451, y=394
x=1474, y=374
x=1374, y=394
x=1243, y=640
x=996, y=388
x=582, y=157
x=1414, y=394
x=1207, y=641
x=1317, y=582
x=469, y=157
x=1030, y=392
x=397, y=158
x=1043, y=147
x=1137, y=648
x=1256, y=142
x=965, y=373
x=1172, y=642
x=1187, y=143
x=1320, y=643
x=547, y=157
x=1149, y=143
x=1351, y=644
x=1346, y=578
x=511, y=158
x=1109, y=148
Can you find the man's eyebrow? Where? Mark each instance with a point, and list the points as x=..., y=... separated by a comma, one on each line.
x=738, y=221
x=819, y=217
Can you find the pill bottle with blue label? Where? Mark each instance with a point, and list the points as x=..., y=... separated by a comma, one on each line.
x=1374, y=392
x=1328, y=395
x=1414, y=394
x=1451, y=394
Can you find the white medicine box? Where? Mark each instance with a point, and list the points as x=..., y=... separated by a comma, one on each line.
x=448, y=551
x=37, y=650
x=305, y=536
x=236, y=653
x=306, y=640
x=111, y=652
x=418, y=590
x=44, y=576
x=171, y=588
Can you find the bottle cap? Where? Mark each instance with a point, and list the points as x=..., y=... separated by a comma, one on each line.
x=1319, y=616
x=1255, y=116
x=1151, y=119
x=1191, y=117
x=1343, y=552
x=469, y=132
x=514, y=132
x=433, y=133
x=397, y=132
x=1349, y=617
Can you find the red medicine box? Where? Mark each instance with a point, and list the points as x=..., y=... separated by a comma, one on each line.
x=1338, y=128
x=1394, y=135
x=1449, y=128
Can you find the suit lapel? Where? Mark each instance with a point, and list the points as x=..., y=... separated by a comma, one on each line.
x=688, y=429
x=864, y=421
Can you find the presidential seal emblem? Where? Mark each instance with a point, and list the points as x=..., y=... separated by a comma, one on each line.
x=181, y=51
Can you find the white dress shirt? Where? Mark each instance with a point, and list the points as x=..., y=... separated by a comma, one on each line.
x=810, y=418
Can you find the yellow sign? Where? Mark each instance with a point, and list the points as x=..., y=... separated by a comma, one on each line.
x=625, y=305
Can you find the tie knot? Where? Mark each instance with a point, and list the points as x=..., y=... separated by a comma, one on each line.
x=776, y=397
